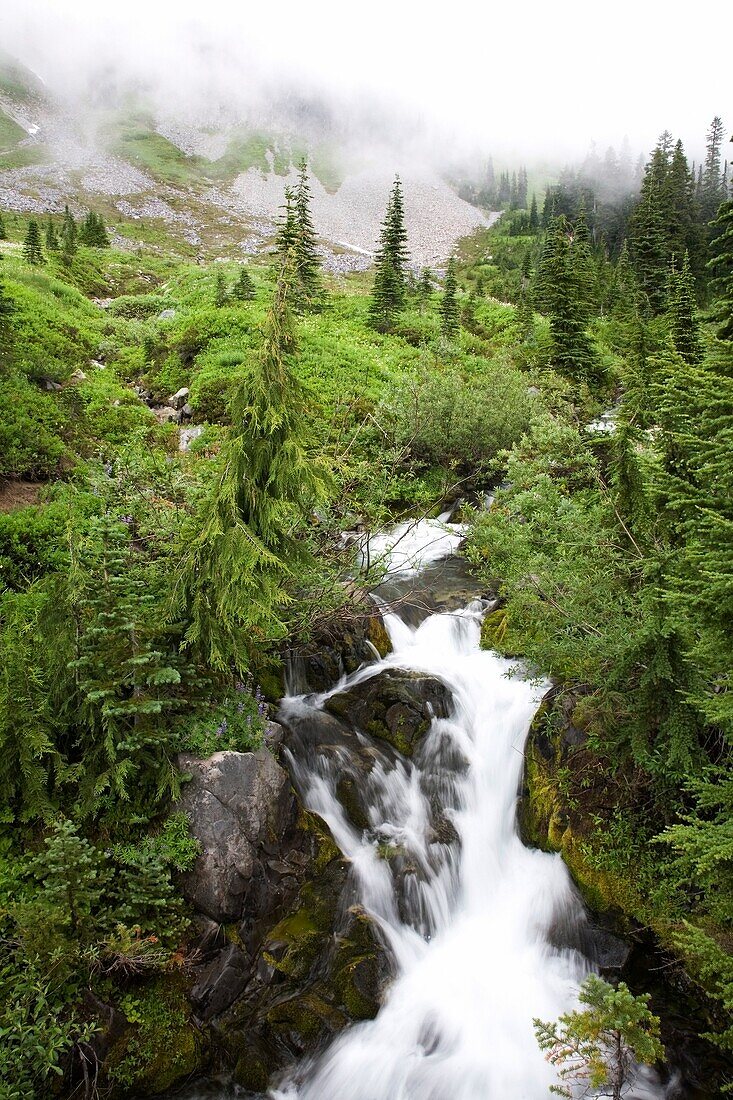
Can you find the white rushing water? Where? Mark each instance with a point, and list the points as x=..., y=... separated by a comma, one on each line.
x=473, y=928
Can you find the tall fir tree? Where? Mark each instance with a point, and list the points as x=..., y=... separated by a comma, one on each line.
x=684, y=326
x=712, y=191
x=287, y=230
x=233, y=585
x=68, y=236
x=721, y=269
x=648, y=247
x=52, y=240
x=32, y=250
x=388, y=294
x=307, y=262
x=244, y=288
x=3, y=230
x=534, y=218
x=572, y=350
x=449, y=315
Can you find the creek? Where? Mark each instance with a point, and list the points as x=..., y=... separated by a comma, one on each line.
x=483, y=933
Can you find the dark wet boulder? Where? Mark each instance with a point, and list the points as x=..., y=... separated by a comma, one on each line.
x=336, y=649
x=220, y=982
x=395, y=705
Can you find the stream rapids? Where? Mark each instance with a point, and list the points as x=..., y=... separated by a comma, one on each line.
x=483, y=933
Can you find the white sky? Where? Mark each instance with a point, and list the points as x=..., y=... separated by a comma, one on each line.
x=539, y=77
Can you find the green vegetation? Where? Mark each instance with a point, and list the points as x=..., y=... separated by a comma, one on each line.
x=10, y=133
x=146, y=591
x=611, y=539
x=599, y=1047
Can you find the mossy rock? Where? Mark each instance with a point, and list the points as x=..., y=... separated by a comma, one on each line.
x=378, y=636
x=359, y=971
x=497, y=634
x=350, y=795
x=253, y=1069
x=395, y=706
x=301, y=1021
x=272, y=682
x=161, y=1046
x=326, y=848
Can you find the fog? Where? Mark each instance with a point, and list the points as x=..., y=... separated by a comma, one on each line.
x=538, y=81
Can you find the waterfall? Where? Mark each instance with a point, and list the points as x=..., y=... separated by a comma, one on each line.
x=479, y=929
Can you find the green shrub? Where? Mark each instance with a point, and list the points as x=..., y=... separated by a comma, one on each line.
x=458, y=418
x=30, y=430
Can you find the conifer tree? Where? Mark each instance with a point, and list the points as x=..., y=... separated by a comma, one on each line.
x=244, y=289
x=534, y=218
x=287, y=232
x=52, y=241
x=572, y=351
x=721, y=268
x=32, y=251
x=233, y=585
x=388, y=294
x=220, y=290
x=682, y=312
x=3, y=231
x=68, y=236
x=307, y=262
x=680, y=213
x=522, y=188
x=712, y=191
x=648, y=246
x=425, y=288
x=598, y=1047
x=583, y=265
x=449, y=322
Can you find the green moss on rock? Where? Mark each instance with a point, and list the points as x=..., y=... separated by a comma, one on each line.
x=378, y=636
x=161, y=1045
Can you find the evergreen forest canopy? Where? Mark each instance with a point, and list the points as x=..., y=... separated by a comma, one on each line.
x=578, y=354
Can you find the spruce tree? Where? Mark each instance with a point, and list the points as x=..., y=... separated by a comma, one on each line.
x=68, y=236
x=684, y=325
x=92, y=231
x=648, y=245
x=388, y=294
x=220, y=290
x=712, y=191
x=244, y=289
x=306, y=260
x=3, y=231
x=396, y=238
x=52, y=241
x=287, y=232
x=534, y=218
x=32, y=251
x=721, y=269
x=449, y=322
x=242, y=555
x=522, y=189
x=572, y=351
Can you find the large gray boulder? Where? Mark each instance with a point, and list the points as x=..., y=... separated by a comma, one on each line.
x=240, y=804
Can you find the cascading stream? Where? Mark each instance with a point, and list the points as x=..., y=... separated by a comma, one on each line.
x=476, y=925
